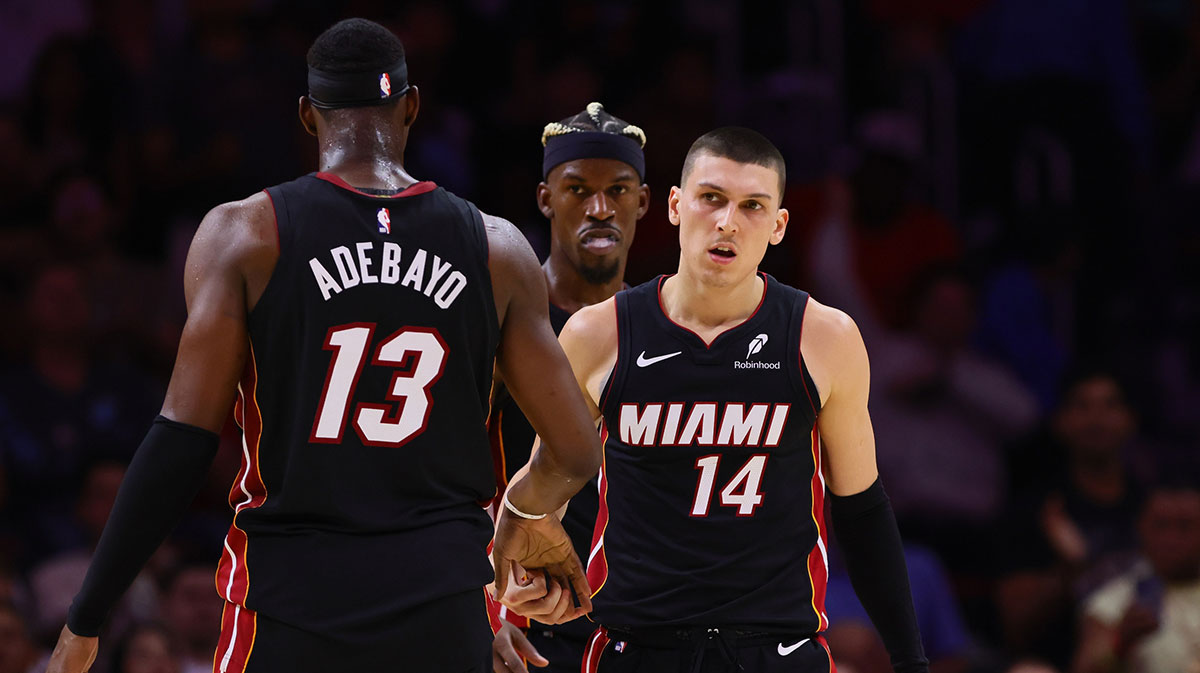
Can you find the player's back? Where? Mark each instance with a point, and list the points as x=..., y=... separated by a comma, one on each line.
x=365, y=454
x=711, y=491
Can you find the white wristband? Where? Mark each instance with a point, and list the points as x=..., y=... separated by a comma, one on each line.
x=509, y=506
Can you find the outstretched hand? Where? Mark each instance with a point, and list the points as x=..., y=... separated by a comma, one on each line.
x=538, y=544
x=72, y=654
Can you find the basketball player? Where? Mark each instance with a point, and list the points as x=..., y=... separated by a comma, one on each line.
x=728, y=402
x=593, y=194
x=356, y=312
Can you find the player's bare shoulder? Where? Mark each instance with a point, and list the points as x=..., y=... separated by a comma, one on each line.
x=237, y=238
x=590, y=341
x=514, y=266
x=832, y=347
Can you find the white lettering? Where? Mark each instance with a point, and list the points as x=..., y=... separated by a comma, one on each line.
x=701, y=425
x=365, y=264
x=436, y=274
x=344, y=262
x=738, y=429
x=671, y=429
x=778, y=422
x=324, y=280
x=389, y=271
x=450, y=289
x=416, y=271
x=639, y=431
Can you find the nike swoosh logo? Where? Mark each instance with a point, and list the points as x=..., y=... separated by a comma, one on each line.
x=784, y=651
x=644, y=361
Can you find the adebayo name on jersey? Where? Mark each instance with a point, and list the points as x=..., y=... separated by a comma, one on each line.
x=365, y=265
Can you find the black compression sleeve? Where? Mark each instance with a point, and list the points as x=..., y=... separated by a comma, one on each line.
x=866, y=531
x=162, y=480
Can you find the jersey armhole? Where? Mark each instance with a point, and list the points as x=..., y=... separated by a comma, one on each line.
x=806, y=382
x=622, y=315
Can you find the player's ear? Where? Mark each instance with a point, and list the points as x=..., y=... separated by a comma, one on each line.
x=308, y=116
x=543, y=200
x=781, y=221
x=643, y=200
x=673, y=205
x=412, y=104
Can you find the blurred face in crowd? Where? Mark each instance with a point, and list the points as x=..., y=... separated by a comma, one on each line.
x=193, y=609
x=1170, y=530
x=58, y=306
x=593, y=206
x=727, y=213
x=81, y=214
x=1094, y=420
x=945, y=316
x=17, y=653
x=150, y=651
x=98, y=496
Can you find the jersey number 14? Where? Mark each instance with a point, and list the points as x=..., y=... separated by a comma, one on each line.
x=418, y=356
x=741, y=491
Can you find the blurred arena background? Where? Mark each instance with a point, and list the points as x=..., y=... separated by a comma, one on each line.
x=1003, y=193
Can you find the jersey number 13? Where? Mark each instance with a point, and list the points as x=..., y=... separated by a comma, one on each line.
x=418, y=356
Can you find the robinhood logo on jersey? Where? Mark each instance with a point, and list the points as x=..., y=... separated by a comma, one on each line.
x=756, y=345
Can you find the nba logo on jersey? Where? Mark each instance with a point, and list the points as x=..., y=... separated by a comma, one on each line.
x=385, y=221
x=756, y=345
x=385, y=85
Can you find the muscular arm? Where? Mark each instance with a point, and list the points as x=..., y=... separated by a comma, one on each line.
x=539, y=377
x=228, y=263
x=861, y=513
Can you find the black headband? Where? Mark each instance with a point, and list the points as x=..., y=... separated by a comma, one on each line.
x=329, y=90
x=592, y=145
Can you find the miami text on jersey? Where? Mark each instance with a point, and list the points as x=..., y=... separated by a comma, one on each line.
x=425, y=272
x=706, y=424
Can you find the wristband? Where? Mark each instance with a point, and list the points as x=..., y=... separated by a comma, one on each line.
x=509, y=506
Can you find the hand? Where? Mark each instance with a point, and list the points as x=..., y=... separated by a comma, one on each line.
x=1137, y=623
x=542, y=598
x=508, y=648
x=72, y=654
x=1064, y=536
x=538, y=543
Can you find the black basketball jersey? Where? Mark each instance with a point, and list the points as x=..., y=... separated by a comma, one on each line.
x=711, y=491
x=363, y=406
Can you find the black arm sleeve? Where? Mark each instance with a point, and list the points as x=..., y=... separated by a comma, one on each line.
x=162, y=480
x=866, y=531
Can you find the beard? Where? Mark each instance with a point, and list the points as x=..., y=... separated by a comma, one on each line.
x=599, y=272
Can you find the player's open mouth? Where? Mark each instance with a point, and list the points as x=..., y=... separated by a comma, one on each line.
x=722, y=254
x=601, y=240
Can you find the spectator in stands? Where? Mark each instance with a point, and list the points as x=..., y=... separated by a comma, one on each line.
x=18, y=653
x=1076, y=525
x=943, y=414
x=192, y=610
x=149, y=647
x=61, y=409
x=1147, y=620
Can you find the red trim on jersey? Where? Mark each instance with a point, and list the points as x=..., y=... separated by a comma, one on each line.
x=274, y=214
x=818, y=571
x=800, y=354
x=595, y=649
x=708, y=344
x=239, y=628
x=248, y=491
x=495, y=431
x=422, y=187
x=832, y=666
x=597, y=563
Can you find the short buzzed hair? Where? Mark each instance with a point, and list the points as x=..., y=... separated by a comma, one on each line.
x=740, y=144
x=355, y=45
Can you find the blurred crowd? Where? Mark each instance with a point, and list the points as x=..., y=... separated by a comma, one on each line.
x=1002, y=193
